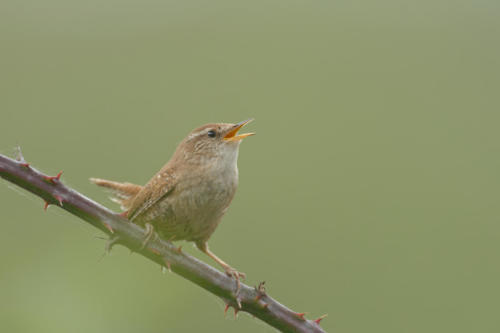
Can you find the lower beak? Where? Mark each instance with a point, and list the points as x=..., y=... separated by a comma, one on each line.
x=231, y=135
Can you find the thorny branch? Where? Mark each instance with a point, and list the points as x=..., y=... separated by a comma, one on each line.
x=252, y=300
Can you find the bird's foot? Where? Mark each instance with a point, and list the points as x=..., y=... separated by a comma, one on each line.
x=237, y=276
x=234, y=273
x=149, y=234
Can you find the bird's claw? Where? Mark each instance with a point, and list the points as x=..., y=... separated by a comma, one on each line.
x=150, y=233
x=237, y=276
x=234, y=273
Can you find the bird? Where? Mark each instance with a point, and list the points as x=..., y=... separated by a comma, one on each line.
x=187, y=198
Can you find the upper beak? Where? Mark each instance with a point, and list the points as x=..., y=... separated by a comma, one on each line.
x=231, y=135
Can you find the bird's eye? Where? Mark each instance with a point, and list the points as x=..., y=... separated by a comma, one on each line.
x=211, y=134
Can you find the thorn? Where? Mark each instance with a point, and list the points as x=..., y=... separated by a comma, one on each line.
x=261, y=289
x=19, y=154
x=167, y=263
x=179, y=249
x=265, y=305
x=46, y=205
x=108, y=227
x=236, y=312
x=301, y=315
x=25, y=165
x=155, y=251
x=59, y=199
x=226, y=308
x=317, y=321
x=51, y=179
x=110, y=243
x=124, y=214
x=238, y=301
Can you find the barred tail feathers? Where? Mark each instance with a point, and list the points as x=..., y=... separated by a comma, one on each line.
x=123, y=193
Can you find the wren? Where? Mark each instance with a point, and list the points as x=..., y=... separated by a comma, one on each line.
x=187, y=198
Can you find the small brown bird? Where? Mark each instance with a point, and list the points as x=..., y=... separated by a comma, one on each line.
x=187, y=198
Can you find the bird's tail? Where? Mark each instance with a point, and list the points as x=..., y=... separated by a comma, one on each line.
x=123, y=193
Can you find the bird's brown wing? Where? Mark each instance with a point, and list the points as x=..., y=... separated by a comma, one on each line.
x=156, y=189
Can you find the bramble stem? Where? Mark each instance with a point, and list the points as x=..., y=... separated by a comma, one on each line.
x=253, y=300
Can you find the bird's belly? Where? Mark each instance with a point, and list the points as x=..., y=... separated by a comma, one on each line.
x=194, y=212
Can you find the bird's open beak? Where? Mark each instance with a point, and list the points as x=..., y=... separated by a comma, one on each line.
x=231, y=135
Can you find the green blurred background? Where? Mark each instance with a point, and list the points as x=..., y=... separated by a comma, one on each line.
x=370, y=192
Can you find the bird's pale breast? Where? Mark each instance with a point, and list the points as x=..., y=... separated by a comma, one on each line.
x=194, y=208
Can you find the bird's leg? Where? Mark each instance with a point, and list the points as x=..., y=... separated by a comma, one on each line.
x=150, y=232
x=229, y=270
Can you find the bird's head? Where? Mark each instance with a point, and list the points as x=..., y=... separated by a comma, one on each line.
x=218, y=141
